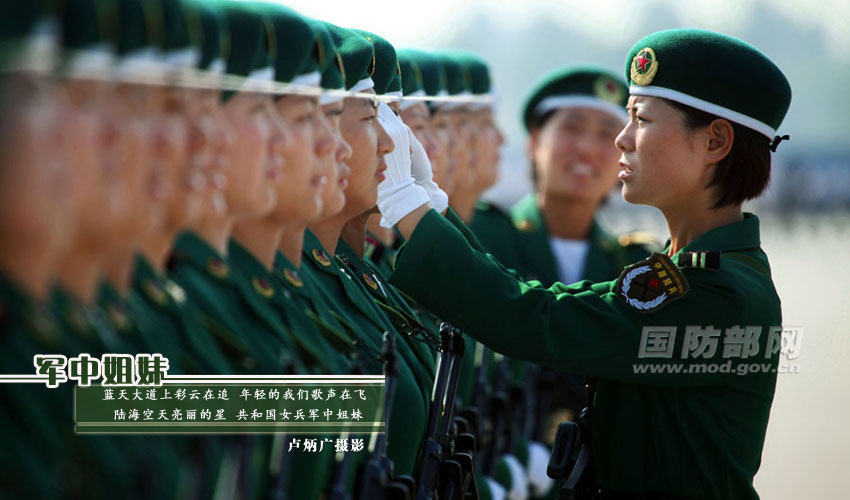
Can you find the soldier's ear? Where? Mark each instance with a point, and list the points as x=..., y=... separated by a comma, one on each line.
x=720, y=136
x=533, y=141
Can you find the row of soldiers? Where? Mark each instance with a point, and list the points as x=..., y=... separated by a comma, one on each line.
x=199, y=179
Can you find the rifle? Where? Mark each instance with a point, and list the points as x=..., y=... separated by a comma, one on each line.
x=457, y=473
x=475, y=413
x=432, y=453
x=339, y=484
x=499, y=404
x=377, y=481
x=579, y=482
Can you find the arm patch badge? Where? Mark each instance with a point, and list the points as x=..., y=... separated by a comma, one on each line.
x=651, y=284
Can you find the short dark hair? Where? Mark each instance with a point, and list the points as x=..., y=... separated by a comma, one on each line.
x=745, y=172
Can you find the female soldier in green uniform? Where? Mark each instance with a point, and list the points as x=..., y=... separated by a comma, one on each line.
x=572, y=116
x=697, y=145
x=342, y=288
x=288, y=257
x=34, y=214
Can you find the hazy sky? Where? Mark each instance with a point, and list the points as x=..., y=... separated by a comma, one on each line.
x=412, y=22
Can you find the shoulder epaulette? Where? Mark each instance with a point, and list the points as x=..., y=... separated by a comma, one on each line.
x=699, y=260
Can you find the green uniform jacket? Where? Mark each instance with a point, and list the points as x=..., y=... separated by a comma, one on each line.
x=167, y=326
x=381, y=258
x=520, y=241
x=695, y=435
x=247, y=328
x=495, y=229
x=35, y=424
x=214, y=293
x=299, y=335
x=304, y=305
x=406, y=427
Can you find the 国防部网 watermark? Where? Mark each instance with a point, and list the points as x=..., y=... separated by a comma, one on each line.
x=741, y=350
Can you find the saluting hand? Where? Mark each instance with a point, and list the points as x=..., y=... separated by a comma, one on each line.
x=399, y=193
x=424, y=174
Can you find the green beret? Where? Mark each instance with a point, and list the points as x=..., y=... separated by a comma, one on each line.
x=411, y=75
x=329, y=60
x=576, y=86
x=296, y=62
x=139, y=40
x=133, y=32
x=475, y=67
x=89, y=50
x=458, y=78
x=387, y=76
x=431, y=69
x=212, y=37
x=249, y=53
x=712, y=72
x=181, y=41
x=29, y=36
x=358, y=58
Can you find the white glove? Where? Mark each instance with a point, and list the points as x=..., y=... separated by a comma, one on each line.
x=538, y=461
x=518, y=489
x=398, y=193
x=497, y=491
x=424, y=174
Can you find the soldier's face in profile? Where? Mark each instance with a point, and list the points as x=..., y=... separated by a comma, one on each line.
x=100, y=210
x=299, y=193
x=34, y=195
x=255, y=159
x=173, y=150
x=489, y=142
x=465, y=150
x=574, y=154
x=80, y=126
x=219, y=133
x=138, y=213
x=658, y=158
x=333, y=194
x=369, y=143
x=444, y=130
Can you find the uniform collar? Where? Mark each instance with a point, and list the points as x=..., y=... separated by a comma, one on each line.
x=12, y=297
x=72, y=313
x=251, y=269
x=194, y=249
x=290, y=276
x=150, y=283
x=17, y=307
x=739, y=235
x=144, y=271
x=114, y=305
x=245, y=261
x=315, y=252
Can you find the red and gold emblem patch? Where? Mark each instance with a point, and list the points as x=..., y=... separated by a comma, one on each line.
x=321, y=257
x=369, y=280
x=651, y=284
x=644, y=67
x=607, y=89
